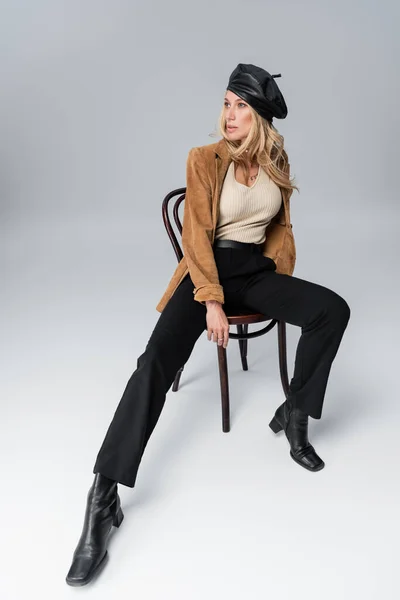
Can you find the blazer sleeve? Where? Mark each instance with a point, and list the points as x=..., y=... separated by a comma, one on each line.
x=197, y=230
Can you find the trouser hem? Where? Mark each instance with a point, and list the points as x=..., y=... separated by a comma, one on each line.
x=122, y=480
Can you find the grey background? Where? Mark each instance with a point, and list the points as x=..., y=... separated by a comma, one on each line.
x=100, y=104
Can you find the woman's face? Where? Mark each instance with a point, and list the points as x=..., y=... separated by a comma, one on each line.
x=237, y=114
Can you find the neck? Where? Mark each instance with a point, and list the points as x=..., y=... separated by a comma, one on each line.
x=251, y=163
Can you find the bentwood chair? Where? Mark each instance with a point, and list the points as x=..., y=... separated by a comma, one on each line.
x=242, y=319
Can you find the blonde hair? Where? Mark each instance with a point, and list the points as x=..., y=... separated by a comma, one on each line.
x=264, y=145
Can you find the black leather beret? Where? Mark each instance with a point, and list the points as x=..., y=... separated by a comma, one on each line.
x=257, y=87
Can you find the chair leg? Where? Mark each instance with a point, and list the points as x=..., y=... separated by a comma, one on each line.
x=241, y=329
x=223, y=377
x=283, y=357
x=175, y=385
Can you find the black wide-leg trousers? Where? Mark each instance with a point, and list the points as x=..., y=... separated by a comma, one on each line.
x=249, y=280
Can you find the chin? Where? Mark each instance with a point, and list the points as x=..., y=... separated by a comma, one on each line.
x=233, y=136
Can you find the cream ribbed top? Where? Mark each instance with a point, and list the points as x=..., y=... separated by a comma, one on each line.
x=245, y=212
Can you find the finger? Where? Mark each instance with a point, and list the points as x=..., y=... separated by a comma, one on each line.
x=226, y=338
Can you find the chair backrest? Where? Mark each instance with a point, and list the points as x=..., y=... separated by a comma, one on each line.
x=180, y=192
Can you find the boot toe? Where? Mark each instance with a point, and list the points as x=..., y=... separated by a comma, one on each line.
x=308, y=459
x=83, y=569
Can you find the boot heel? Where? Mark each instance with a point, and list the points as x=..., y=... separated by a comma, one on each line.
x=275, y=426
x=119, y=517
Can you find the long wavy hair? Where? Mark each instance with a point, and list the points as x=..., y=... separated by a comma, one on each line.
x=264, y=145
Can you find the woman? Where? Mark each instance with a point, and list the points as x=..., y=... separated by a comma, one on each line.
x=238, y=251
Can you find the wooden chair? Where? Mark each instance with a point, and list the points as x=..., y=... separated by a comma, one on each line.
x=242, y=319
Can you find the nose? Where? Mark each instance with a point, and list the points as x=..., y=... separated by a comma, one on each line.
x=230, y=114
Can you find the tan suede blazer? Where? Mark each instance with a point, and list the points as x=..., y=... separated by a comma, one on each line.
x=206, y=168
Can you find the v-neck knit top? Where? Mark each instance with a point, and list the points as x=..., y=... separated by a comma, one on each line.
x=245, y=211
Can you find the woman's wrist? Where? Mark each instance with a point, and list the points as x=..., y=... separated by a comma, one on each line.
x=211, y=303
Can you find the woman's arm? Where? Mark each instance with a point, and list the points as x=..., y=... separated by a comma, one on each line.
x=197, y=230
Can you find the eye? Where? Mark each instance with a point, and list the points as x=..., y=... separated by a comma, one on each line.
x=239, y=103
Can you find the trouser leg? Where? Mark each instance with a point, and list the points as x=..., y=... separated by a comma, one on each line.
x=322, y=315
x=169, y=347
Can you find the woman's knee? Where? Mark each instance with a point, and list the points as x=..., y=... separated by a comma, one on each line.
x=338, y=308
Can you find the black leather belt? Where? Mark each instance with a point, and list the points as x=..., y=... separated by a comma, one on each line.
x=234, y=244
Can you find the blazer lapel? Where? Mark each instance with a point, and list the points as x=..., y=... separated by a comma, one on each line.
x=222, y=162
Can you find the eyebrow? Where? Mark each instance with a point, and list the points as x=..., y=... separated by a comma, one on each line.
x=238, y=100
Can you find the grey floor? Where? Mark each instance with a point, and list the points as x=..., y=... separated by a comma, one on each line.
x=212, y=514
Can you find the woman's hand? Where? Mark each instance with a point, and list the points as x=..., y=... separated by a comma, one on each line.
x=217, y=323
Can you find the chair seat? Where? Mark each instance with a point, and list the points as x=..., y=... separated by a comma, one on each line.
x=242, y=316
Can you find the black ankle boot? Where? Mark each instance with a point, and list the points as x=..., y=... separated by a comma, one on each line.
x=103, y=510
x=295, y=424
